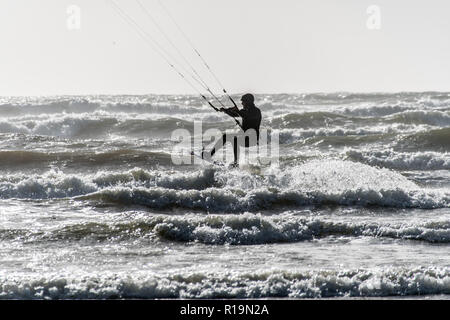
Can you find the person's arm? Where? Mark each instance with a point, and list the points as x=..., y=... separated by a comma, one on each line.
x=232, y=112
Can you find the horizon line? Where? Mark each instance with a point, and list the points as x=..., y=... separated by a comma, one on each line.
x=236, y=93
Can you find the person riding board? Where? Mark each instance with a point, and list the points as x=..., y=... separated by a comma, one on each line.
x=251, y=122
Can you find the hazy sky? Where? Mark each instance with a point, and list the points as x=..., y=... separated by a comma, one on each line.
x=262, y=46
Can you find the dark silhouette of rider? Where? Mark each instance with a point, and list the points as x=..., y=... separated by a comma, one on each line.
x=251, y=121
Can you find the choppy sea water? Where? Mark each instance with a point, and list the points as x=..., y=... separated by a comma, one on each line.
x=91, y=205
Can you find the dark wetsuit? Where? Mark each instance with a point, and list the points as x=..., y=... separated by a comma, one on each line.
x=251, y=119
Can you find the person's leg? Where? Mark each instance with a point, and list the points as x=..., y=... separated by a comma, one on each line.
x=244, y=141
x=219, y=144
x=236, y=150
x=234, y=140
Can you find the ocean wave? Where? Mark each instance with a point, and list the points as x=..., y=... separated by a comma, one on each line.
x=218, y=200
x=357, y=135
x=56, y=184
x=197, y=180
x=182, y=108
x=29, y=106
x=432, y=140
x=50, y=185
x=167, y=104
x=228, y=284
x=156, y=116
x=25, y=106
x=100, y=125
x=21, y=159
x=344, y=98
x=430, y=117
x=66, y=126
x=402, y=161
x=347, y=119
x=377, y=111
x=242, y=229
x=8, y=127
x=342, y=141
x=250, y=229
x=316, y=182
x=309, y=120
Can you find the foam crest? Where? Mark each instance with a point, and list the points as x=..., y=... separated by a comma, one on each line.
x=196, y=180
x=435, y=118
x=249, y=229
x=431, y=140
x=206, y=284
x=52, y=184
x=287, y=136
x=318, y=182
x=242, y=229
x=57, y=184
x=402, y=161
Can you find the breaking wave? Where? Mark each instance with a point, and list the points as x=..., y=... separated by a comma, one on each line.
x=402, y=161
x=432, y=140
x=96, y=126
x=216, y=200
x=168, y=105
x=243, y=229
x=56, y=184
x=436, y=118
x=317, y=182
x=206, y=284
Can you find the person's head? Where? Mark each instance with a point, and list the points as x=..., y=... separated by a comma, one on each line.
x=248, y=100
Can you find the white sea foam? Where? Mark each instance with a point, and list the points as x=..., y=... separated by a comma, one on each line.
x=249, y=229
x=402, y=161
x=240, y=229
x=50, y=185
x=57, y=184
x=430, y=117
x=317, y=182
x=209, y=284
x=287, y=136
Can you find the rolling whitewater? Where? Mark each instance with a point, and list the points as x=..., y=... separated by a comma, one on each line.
x=92, y=206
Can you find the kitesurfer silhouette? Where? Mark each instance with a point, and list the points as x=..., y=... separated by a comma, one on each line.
x=249, y=136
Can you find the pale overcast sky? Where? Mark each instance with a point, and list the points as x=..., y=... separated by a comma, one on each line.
x=261, y=46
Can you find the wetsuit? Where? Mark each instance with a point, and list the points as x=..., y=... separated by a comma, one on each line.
x=251, y=119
